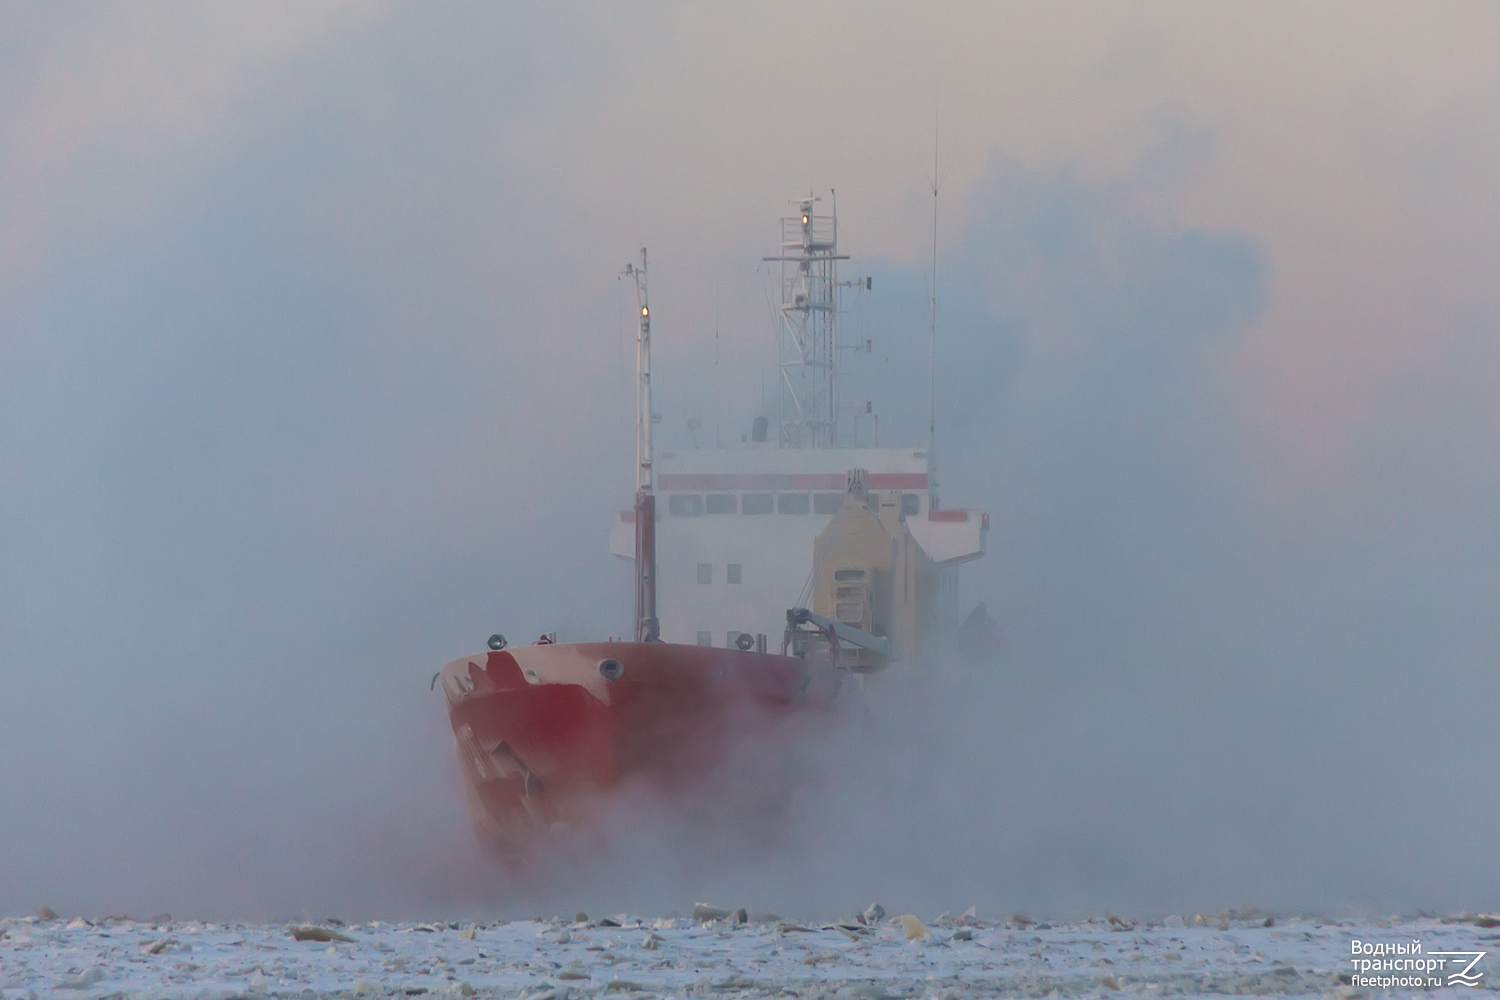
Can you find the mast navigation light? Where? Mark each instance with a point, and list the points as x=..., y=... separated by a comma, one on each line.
x=645, y=311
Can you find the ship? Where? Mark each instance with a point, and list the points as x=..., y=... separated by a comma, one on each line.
x=777, y=575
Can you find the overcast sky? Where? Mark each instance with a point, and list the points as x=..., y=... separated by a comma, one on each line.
x=315, y=370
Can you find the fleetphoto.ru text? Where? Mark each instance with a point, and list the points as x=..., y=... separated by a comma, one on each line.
x=1403, y=964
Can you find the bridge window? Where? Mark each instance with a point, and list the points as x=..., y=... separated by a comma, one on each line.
x=705, y=638
x=705, y=572
x=721, y=503
x=793, y=503
x=827, y=503
x=757, y=503
x=685, y=504
x=910, y=504
x=733, y=575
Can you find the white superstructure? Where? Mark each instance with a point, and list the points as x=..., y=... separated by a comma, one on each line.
x=736, y=527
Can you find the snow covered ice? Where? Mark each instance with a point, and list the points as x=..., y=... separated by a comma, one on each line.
x=630, y=957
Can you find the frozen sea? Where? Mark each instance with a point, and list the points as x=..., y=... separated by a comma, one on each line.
x=727, y=956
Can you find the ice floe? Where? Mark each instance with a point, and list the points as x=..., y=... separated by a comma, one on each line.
x=723, y=953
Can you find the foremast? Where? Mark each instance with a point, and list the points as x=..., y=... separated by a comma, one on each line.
x=647, y=627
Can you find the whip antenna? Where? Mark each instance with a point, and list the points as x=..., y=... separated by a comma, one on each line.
x=932, y=485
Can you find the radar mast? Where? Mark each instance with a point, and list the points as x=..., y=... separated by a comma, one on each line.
x=809, y=393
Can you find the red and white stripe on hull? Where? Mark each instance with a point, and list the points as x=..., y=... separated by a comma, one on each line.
x=545, y=732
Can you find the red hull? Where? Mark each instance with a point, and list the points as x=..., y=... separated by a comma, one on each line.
x=545, y=732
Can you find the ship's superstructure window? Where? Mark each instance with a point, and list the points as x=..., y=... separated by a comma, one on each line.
x=733, y=576
x=705, y=572
x=849, y=597
x=793, y=503
x=721, y=503
x=910, y=504
x=757, y=503
x=705, y=638
x=827, y=503
x=849, y=602
x=685, y=504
